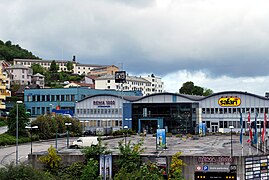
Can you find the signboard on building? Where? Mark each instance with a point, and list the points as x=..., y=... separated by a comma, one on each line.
x=213, y=168
x=229, y=101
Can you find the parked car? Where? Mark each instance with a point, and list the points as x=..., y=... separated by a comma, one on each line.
x=84, y=142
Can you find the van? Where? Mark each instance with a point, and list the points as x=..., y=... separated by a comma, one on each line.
x=84, y=142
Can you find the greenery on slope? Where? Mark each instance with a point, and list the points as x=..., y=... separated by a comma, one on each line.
x=9, y=51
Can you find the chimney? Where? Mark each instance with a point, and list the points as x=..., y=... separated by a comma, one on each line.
x=74, y=58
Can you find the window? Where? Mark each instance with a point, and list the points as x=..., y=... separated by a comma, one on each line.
x=221, y=124
x=52, y=97
x=62, y=98
x=108, y=81
x=43, y=97
x=48, y=97
x=108, y=87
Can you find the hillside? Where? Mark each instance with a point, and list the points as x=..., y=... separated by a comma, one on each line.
x=8, y=52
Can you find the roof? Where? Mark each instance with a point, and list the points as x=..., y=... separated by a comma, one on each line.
x=127, y=98
x=38, y=75
x=103, y=67
x=17, y=66
x=128, y=78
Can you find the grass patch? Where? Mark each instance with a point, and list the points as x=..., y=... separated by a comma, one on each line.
x=6, y=139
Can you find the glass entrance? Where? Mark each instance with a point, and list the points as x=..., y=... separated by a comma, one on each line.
x=214, y=127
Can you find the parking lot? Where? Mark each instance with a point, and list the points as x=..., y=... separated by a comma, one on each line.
x=208, y=145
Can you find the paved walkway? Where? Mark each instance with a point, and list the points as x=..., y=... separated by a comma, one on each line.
x=208, y=145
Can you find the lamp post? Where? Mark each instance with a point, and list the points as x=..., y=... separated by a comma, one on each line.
x=31, y=128
x=56, y=139
x=67, y=140
x=17, y=132
x=126, y=134
x=231, y=127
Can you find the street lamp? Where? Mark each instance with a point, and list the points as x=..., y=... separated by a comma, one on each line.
x=17, y=132
x=31, y=127
x=231, y=127
x=67, y=140
x=126, y=134
x=56, y=140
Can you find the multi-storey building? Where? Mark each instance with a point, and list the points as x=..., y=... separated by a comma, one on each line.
x=133, y=83
x=3, y=89
x=77, y=67
x=42, y=101
x=101, y=71
x=19, y=74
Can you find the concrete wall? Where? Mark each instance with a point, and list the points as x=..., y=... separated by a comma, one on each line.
x=188, y=170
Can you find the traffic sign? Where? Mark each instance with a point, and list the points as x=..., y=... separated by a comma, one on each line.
x=205, y=168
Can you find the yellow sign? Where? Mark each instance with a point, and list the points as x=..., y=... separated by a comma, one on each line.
x=229, y=101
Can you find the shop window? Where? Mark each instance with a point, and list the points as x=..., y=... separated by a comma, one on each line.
x=84, y=111
x=225, y=124
x=257, y=110
x=212, y=110
x=91, y=111
x=208, y=124
x=57, y=97
x=238, y=110
x=221, y=110
x=33, y=110
x=102, y=111
x=243, y=110
x=116, y=111
x=247, y=110
x=225, y=110
x=266, y=111
x=48, y=97
x=88, y=111
x=216, y=110
x=77, y=111
x=252, y=110
x=234, y=110
x=230, y=110
x=261, y=110
x=221, y=124
x=116, y=123
x=203, y=110
x=62, y=98
x=207, y=110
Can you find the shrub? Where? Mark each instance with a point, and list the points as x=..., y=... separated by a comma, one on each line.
x=179, y=135
x=169, y=135
x=23, y=172
x=51, y=161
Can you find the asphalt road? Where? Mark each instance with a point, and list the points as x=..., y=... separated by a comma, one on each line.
x=8, y=154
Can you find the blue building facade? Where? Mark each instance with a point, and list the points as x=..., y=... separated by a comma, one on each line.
x=44, y=101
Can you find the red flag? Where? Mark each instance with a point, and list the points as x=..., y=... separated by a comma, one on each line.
x=249, y=127
x=264, y=127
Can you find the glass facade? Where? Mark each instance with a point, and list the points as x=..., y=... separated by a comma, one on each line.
x=176, y=117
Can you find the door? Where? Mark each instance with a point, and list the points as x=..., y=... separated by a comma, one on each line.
x=214, y=127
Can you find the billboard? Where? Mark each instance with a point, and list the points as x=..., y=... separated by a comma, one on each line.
x=160, y=139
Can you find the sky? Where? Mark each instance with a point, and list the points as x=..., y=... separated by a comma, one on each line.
x=222, y=45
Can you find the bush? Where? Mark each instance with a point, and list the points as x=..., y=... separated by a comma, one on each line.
x=123, y=132
x=6, y=139
x=169, y=135
x=179, y=135
x=23, y=172
x=3, y=122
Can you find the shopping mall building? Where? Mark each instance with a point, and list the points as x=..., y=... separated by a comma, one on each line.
x=177, y=113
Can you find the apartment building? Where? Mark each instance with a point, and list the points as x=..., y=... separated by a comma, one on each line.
x=133, y=83
x=101, y=71
x=20, y=74
x=4, y=92
x=62, y=64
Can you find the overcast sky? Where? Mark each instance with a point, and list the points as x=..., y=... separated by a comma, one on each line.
x=218, y=44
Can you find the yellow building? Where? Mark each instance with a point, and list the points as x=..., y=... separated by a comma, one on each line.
x=3, y=90
x=101, y=71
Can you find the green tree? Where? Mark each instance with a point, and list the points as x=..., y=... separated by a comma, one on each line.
x=37, y=68
x=53, y=67
x=23, y=120
x=129, y=156
x=21, y=172
x=190, y=88
x=93, y=152
x=176, y=167
x=48, y=126
x=91, y=170
x=69, y=66
x=51, y=161
x=207, y=92
x=9, y=52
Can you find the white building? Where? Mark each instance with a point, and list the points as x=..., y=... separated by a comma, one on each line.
x=77, y=67
x=19, y=74
x=147, y=85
